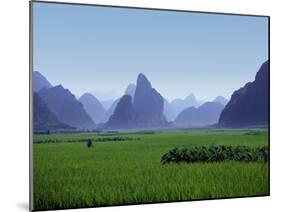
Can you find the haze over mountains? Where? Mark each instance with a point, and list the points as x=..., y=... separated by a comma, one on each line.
x=66, y=107
x=93, y=107
x=221, y=100
x=130, y=90
x=143, y=107
x=110, y=111
x=178, y=105
x=206, y=114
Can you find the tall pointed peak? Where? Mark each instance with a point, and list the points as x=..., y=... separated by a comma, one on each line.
x=143, y=81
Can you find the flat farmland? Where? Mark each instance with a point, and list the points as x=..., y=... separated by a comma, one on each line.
x=67, y=174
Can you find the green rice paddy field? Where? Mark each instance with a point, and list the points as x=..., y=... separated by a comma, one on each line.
x=67, y=174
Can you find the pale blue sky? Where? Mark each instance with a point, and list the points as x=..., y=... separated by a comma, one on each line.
x=87, y=48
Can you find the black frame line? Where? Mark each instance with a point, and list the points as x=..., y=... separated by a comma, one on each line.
x=31, y=182
x=148, y=8
x=137, y=8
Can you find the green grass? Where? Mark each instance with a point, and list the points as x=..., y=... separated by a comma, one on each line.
x=69, y=175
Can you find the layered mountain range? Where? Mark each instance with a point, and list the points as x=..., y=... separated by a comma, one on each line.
x=93, y=107
x=143, y=110
x=43, y=117
x=66, y=107
x=142, y=107
x=59, y=104
x=206, y=114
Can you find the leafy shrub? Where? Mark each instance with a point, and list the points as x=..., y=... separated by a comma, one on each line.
x=216, y=154
x=256, y=132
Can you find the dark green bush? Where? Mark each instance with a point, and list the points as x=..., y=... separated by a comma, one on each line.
x=256, y=132
x=216, y=154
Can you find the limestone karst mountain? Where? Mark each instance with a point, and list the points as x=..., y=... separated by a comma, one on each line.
x=148, y=104
x=123, y=116
x=249, y=105
x=177, y=105
x=93, y=107
x=39, y=82
x=206, y=114
x=130, y=90
x=66, y=107
x=110, y=111
x=144, y=111
x=43, y=117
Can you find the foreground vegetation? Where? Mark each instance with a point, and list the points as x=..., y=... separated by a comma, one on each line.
x=216, y=154
x=70, y=175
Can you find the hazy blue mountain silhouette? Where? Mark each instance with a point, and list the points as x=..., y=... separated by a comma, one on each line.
x=130, y=90
x=66, y=107
x=39, y=82
x=43, y=117
x=107, y=103
x=102, y=95
x=123, y=116
x=93, y=107
x=148, y=104
x=248, y=105
x=221, y=100
x=206, y=114
x=178, y=105
x=145, y=111
x=110, y=111
x=168, y=111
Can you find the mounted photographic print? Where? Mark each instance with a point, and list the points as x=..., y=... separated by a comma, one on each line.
x=137, y=105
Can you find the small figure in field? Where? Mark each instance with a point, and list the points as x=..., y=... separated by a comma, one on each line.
x=90, y=143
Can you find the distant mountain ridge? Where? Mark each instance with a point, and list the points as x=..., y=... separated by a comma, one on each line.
x=177, y=105
x=248, y=105
x=66, y=108
x=206, y=114
x=43, y=118
x=93, y=107
x=168, y=111
x=110, y=111
x=221, y=100
x=39, y=82
x=143, y=107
